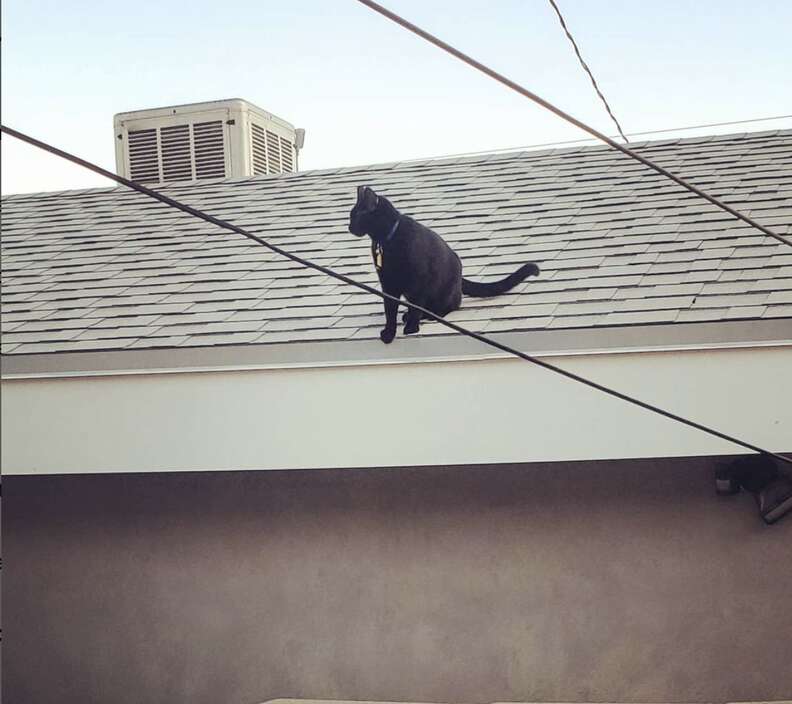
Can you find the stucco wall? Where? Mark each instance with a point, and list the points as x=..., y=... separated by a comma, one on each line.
x=620, y=581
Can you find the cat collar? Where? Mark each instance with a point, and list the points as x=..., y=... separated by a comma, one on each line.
x=392, y=230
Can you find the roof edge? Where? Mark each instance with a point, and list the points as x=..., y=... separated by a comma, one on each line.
x=418, y=350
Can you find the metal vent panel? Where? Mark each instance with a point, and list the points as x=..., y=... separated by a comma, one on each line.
x=144, y=156
x=176, y=153
x=286, y=154
x=258, y=147
x=210, y=161
x=273, y=153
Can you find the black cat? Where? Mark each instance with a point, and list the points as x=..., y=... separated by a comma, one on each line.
x=415, y=262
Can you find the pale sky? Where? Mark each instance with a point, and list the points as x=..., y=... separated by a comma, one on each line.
x=365, y=90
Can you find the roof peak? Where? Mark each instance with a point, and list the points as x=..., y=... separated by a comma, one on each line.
x=469, y=158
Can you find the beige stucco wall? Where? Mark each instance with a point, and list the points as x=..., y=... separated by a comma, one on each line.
x=621, y=581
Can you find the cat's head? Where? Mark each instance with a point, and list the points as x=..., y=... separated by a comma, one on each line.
x=362, y=215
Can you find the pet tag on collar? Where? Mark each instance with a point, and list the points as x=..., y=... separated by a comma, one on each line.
x=378, y=256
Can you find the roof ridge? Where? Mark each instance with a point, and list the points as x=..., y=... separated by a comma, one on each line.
x=420, y=161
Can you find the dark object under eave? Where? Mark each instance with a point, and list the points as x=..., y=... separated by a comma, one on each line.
x=760, y=475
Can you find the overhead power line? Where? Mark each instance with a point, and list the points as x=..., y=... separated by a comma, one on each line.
x=587, y=69
x=711, y=124
x=376, y=292
x=566, y=116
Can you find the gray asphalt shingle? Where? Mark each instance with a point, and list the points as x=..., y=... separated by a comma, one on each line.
x=618, y=245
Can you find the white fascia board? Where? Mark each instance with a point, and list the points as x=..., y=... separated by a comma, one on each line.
x=379, y=415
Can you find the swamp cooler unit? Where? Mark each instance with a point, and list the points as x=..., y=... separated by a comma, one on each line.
x=214, y=140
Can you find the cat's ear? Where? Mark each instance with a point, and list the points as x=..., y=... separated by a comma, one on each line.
x=366, y=198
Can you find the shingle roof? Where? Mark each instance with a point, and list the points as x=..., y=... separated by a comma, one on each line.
x=618, y=245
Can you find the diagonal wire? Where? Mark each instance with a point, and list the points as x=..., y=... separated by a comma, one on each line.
x=587, y=69
x=566, y=116
x=370, y=289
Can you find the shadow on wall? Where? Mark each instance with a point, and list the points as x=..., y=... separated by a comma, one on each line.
x=620, y=581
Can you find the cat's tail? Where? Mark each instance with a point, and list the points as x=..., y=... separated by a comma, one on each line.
x=479, y=290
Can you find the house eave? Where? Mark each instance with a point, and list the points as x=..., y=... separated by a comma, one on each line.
x=424, y=349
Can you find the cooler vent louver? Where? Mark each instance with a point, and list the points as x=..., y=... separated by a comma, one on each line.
x=258, y=144
x=143, y=156
x=177, y=153
x=176, y=156
x=270, y=153
x=273, y=153
x=208, y=144
x=286, y=154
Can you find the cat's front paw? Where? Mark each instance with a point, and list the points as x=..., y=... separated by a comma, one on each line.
x=387, y=335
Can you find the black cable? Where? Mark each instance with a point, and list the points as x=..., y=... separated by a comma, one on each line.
x=587, y=69
x=341, y=277
x=711, y=124
x=566, y=116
